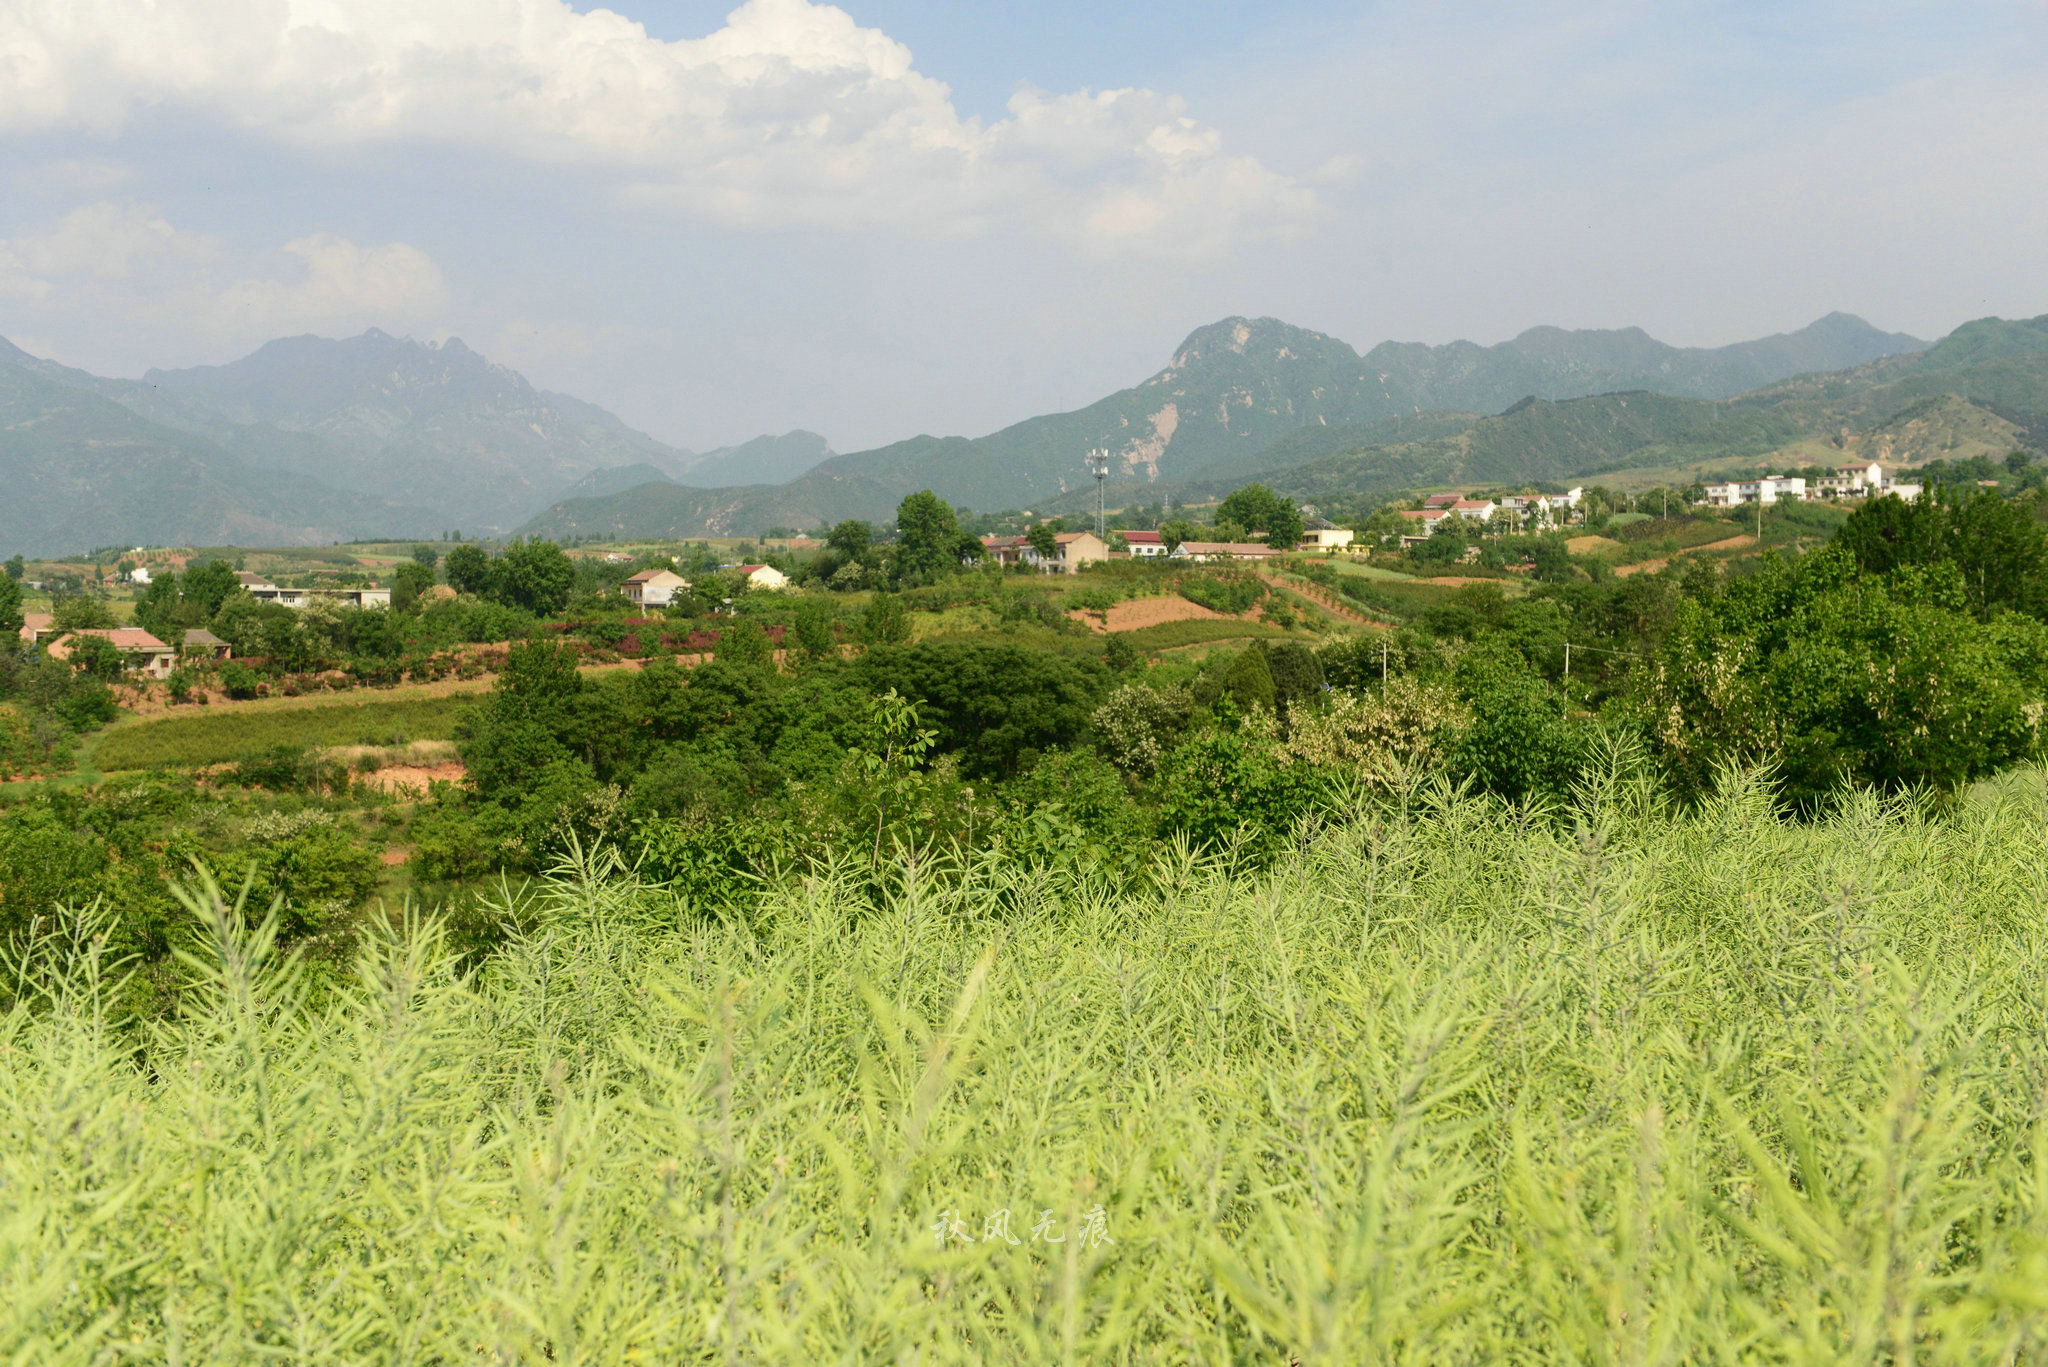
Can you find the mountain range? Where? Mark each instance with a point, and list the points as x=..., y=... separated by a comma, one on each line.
x=309, y=439
x=1239, y=398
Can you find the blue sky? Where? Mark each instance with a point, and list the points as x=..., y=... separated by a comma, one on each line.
x=899, y=218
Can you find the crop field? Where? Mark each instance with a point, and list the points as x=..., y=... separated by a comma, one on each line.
x=1197, y=631
x=1451, y=1083
x=1399, y=598
x=231, y=735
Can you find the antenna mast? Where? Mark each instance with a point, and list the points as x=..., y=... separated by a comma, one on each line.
x=1098, y=463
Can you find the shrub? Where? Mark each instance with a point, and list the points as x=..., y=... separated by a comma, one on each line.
x=238, y=681
x=1229, y=594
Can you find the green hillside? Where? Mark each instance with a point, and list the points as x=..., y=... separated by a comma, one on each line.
x=1244, y=398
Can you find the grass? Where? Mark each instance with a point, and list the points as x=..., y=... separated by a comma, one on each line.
x=1396, y=598
x=231, y=735
x=1195, y=631
x=1451, y=1084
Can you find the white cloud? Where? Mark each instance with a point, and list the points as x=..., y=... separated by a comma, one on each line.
x=134, y=276
x=791, y=115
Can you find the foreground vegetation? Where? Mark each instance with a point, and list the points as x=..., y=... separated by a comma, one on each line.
x=1453, y=1081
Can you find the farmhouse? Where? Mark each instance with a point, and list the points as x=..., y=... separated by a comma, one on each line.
x=1223, y=550
x=1145, y=545
x=1320, y=535
x=654, y=588
x=201, y=642
x=764, y=577
x=263, y=591
x=140, y=651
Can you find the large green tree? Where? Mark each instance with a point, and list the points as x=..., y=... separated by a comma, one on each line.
x=469, y=570
x=927, y=538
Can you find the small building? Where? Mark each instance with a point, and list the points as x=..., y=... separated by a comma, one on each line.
x=1145, y=545
x=35, y=626
x=764, y=577
x=1072, y=550
x=200, y=643
x=1223, y=550
x=654, y=588
x=139, y=575
x=1427, y=520
x=1474, y=509
x=1768, y=490
x=1318, y=534
x=263, y=591
x=140, y=651
x=1442, y=500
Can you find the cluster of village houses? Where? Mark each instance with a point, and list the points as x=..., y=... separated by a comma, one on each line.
x=1535, y=511
x=1071, y=550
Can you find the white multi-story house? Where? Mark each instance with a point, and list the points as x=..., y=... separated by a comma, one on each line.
x=1145, y=545
x=1768, y=490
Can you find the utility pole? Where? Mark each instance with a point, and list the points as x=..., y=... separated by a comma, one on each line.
x=1383, y=664
x=1098, y=464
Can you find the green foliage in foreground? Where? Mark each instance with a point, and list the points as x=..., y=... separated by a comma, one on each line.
x=1448, y=1084
x=238, y=734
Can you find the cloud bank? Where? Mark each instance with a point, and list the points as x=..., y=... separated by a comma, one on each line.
x=790, y=116
x=130, y=269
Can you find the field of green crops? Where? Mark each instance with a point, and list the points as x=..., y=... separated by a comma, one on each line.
x=1451, y=1083
x=234, y=734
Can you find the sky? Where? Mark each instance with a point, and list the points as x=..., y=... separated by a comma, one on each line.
x=891, y=218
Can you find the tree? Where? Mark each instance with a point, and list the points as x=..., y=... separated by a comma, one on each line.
x=927, y=538
x=991, y=704
x=470, y=571
x=78, y=612
x=95, y=655
x=851, y=538
x=10, y=609
x=208, y=586
x=1256, y=508
x=426, y=555
x=534, y=575
x=813, y=634
x=1044, y=539
x=1284, y=527
x=411, y=580
x=884, y=621
x=15, y=568
x=744, y=643
x=1179, y=529
x=1249, y=680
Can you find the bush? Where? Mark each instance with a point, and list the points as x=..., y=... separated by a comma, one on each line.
x=239, y=681
x=1229, y=594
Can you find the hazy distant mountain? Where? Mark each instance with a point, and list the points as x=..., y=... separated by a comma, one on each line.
x=78, y=470
x=374, y=435
x=435, y=427
x=764, y=460
x=1237, y=391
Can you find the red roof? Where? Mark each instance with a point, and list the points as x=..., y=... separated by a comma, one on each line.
x=1441, y=500
x=1141, y=538
x=1465, y=503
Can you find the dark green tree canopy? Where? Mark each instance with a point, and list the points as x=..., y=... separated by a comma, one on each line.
x=990, y=703
x=851, y=538
x=927, y=538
